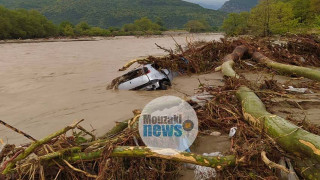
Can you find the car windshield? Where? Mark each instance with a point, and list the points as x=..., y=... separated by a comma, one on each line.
x=135, y=73
x=156, y=66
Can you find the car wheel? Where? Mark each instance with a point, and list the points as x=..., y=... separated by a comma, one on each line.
x=164, y=85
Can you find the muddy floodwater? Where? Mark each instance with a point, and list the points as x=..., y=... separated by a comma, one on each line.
x=47, y=86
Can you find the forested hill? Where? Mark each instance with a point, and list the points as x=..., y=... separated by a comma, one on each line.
x=106, y=13
x=238, y=5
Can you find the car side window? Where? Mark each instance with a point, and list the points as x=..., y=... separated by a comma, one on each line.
x=155, y=66
x=145, y=70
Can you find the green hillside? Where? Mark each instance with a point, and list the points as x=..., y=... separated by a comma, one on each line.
x=272, y=17
x=238, y=5
x=106, y=13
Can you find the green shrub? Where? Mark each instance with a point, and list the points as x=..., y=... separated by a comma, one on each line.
x=197, y=26
x=68, y=31
x=24, y=24
x=96, y=31
x=143, y=26
x=236, y=24
x=81, y=28
x=317, y=21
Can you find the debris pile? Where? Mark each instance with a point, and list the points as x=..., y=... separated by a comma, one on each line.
x=259, y=138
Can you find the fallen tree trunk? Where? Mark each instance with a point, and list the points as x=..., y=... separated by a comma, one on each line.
x=134, y=151
x=288, y=136
x=287, y=69
x=228, y=61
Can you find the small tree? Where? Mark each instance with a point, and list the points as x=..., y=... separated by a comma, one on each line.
x=68, y=30
x=113, y=29
x=6, y=26
x=260, y=18
x=63, y=25
x=236, y=24
x=315, y=7
x=160, y=22
x=96, y=31
x=197, y=26
x=82, y=27
x=145, y=24
x=282, y=18
x=129, y=28
x=301, y=9
x=317, y=21
x=271, y=16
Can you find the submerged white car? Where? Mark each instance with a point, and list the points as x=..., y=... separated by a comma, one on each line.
x=148, y=77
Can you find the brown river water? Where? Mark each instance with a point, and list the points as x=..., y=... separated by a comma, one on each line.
x=47, y=86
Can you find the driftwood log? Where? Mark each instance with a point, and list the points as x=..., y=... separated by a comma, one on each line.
x=287, y=69
x=291, y=138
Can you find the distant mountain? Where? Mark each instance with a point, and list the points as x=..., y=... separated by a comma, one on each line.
x=238, y=5
x=210, y=6
x=106, y=13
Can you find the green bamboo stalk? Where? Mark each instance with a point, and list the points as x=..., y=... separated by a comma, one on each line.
x=119, y=127
x=37, y=144
x=59, y=154
x=133, y=151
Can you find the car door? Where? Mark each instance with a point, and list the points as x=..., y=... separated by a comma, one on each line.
x=154, y=74
x=136, y=82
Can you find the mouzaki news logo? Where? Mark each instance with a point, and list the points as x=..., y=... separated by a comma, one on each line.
x=168, y=122
x=163, y=125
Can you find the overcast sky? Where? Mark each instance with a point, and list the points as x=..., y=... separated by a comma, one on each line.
x=209, y=2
